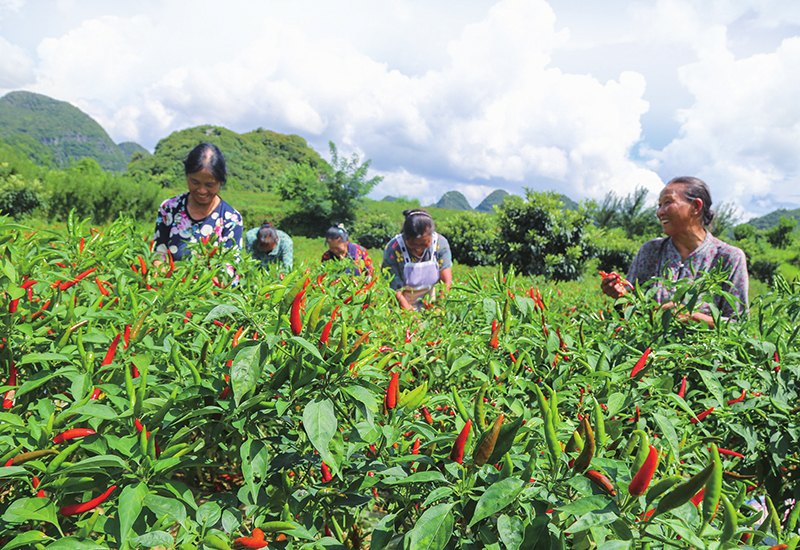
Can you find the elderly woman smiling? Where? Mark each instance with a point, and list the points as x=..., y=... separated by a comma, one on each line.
x=684, y=210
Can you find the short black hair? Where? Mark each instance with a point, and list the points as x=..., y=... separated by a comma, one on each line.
x=207, y=156
x=337, y=232
x=417, y=224
x=266, y=234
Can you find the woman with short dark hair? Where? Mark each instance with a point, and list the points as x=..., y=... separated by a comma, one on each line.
x=417, y=259
x=684, y=210
x=270, y=246
x=200, y=212
x=340, y=247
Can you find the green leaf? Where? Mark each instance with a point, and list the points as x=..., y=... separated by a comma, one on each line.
x=362, y=395
x=308, y=346
x=419, y=477
x=586, y=504
x=245, y=371
x=95, y=463
x=96, y=410
x=382, y=533
x=685, y=534
x=668, y=430
x=208, y=513
x=511, y=530
x=433, y=529
x=154, y=538
x=497, y=496
x=714, y=387
x=32, y=509
x=72, y=543
x=221, y=310
x=255, y=462
x=319, y=421
x=25, y=539
x=615, y=545
x=129, y=506
x=42, y=357
x=165, y=506
x=592, y=519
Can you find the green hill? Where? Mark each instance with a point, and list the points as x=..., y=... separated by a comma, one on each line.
x=453, y=200
x=130, y=147
x=255, y=159
x=495, y=197
x=38, y=124
x=772, y=219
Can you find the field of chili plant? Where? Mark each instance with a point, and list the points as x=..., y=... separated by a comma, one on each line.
x=173, y=406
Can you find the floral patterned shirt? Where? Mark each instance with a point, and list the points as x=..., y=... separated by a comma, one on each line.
x=658, y=256
x=175, y=229
x=355, y=252
x=393, y=259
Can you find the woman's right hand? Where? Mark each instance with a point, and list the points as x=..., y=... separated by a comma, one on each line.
x=612, y=286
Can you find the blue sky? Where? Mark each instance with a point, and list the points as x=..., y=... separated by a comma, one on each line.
x=580, y=97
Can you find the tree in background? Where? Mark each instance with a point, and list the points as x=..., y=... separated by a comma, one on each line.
x=781, y=235
x=540, y=237
x=472, y=237
x=325, y=194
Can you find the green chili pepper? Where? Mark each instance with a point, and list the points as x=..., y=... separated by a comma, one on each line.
x=713, y=489
x=508, y=467
x=773, y=517
x=136, y=329
x=313, y=319
x=580, y=334
x=628, y=449
x=599, y=424
x=661, y=487
x=480, y=410
x=791, y=521
x=587, y=454
x=140, y=392
x=411, y=400
x=644, y=450
x=460, y=406
x=59, y=459
x=165, y=408
x=505, y=440
x=10, y=454
x=151, y=444
x=506, y=312
x=684, y=492
x=543, y=407
x=129, y=384
x=740, y=495
x=729, y=523
x=553, y=404
x=215, y=542
x=342, y=338
x=553, y=445
x=527, y=473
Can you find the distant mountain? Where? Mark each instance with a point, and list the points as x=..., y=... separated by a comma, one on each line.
x=772, y=219
x=453, y=200
x=569, y=204
x=131, y=147
x=255, y=159
x=389, y=198
x=69, y=134
x=495, y=197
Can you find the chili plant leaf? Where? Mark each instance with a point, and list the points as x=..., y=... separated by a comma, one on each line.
x=383, y=532
x=511, y=530
x=714, y=387
x=26, y=539
x=245, y=371
x=668, y=429
x=154, y=538
x=497, y=496
x=129, y=504
x=221, y=311
x=319, y=420
x=433, y=529
x=32, y=509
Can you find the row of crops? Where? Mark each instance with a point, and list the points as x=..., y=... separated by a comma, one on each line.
x=169, y=406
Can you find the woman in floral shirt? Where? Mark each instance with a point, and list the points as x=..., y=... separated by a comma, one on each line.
x=197, y=214
x=684, y=210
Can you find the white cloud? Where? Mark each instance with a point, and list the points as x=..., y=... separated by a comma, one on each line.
x=16, y=68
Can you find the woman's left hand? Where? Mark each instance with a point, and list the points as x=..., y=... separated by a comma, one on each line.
x=685, y=317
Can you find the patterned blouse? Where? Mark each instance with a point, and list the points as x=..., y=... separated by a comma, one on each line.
x=283, y=251
x=355, y=252
x=175, y=229
x=393, y=259
x=658, y=255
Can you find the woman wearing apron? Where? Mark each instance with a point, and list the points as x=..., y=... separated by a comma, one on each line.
x=417, y=259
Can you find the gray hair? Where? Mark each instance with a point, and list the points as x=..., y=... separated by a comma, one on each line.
x=695, y=188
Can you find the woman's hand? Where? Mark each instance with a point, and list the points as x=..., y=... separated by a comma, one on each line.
x=684, y=317
x=446, y=277
x=612, y=286
x=403, y=301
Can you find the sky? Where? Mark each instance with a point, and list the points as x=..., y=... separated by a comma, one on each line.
x=568, y=95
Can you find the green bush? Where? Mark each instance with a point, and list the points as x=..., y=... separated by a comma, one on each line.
x=613, y=249
x=374, y=230
x=472, y=237
x=539, y=237
x=18, y=196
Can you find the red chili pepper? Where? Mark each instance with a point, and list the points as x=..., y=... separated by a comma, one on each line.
x=493, y=341
x=171, y=264
x=698, y=498
x=80, y=247
x=295, y=318
x=12, y=305
x=393, y=390
x=738, y=399
x=427, y=415
x=544, y=326
x=333, y=313
x=561, y=343
x=96, y=393
x=682, y=391
x=8, y=398
x=27, y=284
x=75, y=509
x=409, y=335
x=103, y=291
x=112, y=350
x=237, y=336
x=457, y=453
x=326, y=333
x=126, y=337
x=66, y=284
x=326, y=473
x=640, y=363
x=728, y=452
x=248, y=542
x=777, y=361
x=72, y=434
x=415, y=447
x=701, y=416
x=641, y=481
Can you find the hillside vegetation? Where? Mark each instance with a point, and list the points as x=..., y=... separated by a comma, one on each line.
x=56, y=129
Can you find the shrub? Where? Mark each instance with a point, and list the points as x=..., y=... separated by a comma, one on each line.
x=18, y=196
x=374, y=230
x=539, y=237
x=472, y=237
x=613, y=250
